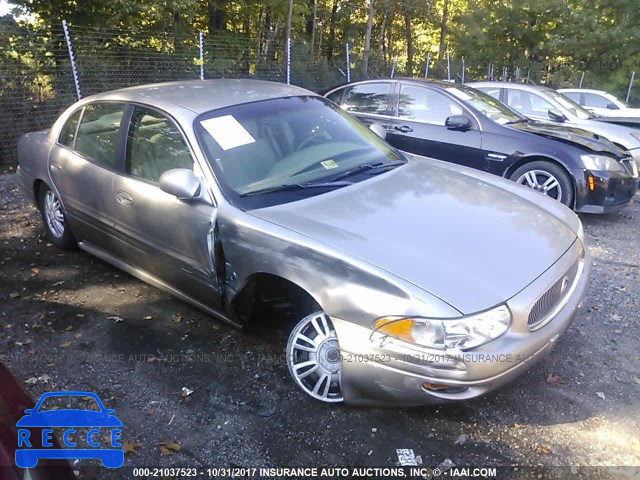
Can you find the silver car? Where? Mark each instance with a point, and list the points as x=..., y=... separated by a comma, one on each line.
x=547, y=105
x=411, y=281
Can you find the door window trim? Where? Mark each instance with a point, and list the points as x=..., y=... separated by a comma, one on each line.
x=476, y=123
x=109, y=168
x=122, y=164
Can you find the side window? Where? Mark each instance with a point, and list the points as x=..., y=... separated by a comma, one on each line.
x=98, y=132
x=575, y=96
x=424, y=104
x=593, y=100
x=154, y=145
x=367, y=98
x=68, y=132
x=336, y=96
x=528, y=104
x=494, y=92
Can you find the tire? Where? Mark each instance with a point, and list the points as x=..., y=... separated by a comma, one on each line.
x=55, y=222
x=314, y=358
x=547, y=178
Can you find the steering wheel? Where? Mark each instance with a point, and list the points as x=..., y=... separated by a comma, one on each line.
x=313, y=138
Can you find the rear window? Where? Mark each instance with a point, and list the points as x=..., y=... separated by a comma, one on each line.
x=97, y=136
x=367, y=98
x=68, y=133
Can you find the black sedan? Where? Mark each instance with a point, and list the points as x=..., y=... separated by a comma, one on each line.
x=459, y=124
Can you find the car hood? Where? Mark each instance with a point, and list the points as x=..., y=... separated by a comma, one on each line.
x=458, y=237
x=572, y=136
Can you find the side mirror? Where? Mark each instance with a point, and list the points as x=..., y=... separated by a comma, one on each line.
x=556, y=115
x=612, y=106
x=181, y=183
x=379, y=130
x=458, y=122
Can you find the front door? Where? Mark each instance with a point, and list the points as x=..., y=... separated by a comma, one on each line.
x=419, y=128
x=171, y=239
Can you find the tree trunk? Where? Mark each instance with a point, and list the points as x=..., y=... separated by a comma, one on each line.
x=443, y=30
x=407, y=26
x=216, y=17
x=367, y=39
x=383, y=30
x=287, y=37
x=332, y=29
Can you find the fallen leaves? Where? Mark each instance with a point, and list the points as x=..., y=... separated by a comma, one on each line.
x=129, y=447
x=555, y=379
x=177, y=318
x=35, y=380
x=168, y=447
x=544, y=450
x=65, y=344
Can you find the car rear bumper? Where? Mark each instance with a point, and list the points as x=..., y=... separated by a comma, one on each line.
x=612, y=192
x=394, y=373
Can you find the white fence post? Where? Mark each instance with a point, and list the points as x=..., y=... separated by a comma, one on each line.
x=201, y=48
x=633, y=77
x=348, y=63
x=72, y=58
x=426, y=67
x=288, y=60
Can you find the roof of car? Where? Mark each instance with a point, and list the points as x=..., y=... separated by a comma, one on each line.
x=520, y=86
x=583, y=90
x=202, y=96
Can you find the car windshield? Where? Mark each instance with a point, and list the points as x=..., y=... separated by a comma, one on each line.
x=568, y=104
x=486, y=104
x=67, y=402
x=273, y=151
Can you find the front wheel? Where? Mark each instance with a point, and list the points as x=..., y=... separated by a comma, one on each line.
x=314, y=358
x=546, y=178
x=55, y=224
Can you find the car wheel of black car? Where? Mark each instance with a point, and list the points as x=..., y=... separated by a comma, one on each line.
x=55, y=223
x=547, y=178
x=314, y=358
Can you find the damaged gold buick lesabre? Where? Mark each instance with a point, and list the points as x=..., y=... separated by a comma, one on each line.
x=412, y=281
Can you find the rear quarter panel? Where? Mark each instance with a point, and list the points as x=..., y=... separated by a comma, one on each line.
x=33, y=160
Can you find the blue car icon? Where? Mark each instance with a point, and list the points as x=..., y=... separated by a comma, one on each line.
x=111, y=455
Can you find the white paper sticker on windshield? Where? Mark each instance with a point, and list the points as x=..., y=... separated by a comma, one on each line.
x=329, y=164
x=227, y=132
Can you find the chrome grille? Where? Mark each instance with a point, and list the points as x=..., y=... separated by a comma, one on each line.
x=550, y=300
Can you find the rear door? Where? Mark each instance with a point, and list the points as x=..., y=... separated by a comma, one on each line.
x=419, y=127
x=171, y=239
x=82, y=166
x=368, y=101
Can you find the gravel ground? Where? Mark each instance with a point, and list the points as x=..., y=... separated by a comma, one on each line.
x=70, y=321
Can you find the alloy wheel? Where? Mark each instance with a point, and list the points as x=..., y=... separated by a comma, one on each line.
x=53, y=214
x=543, y=182
x=314, y=358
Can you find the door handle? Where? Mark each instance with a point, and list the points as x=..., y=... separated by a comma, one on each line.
x=404, y=128
x=124, y=198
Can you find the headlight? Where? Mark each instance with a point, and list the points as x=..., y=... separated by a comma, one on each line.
x=463, y=333
x=601, y=163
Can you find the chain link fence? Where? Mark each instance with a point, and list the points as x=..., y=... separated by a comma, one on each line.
x=37, y=78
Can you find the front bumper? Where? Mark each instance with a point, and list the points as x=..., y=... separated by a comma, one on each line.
x=394, y=373
x=612, y=192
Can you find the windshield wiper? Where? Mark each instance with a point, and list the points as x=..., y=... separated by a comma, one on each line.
x=372, y=167
x=295, y=186
x=521, y=120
